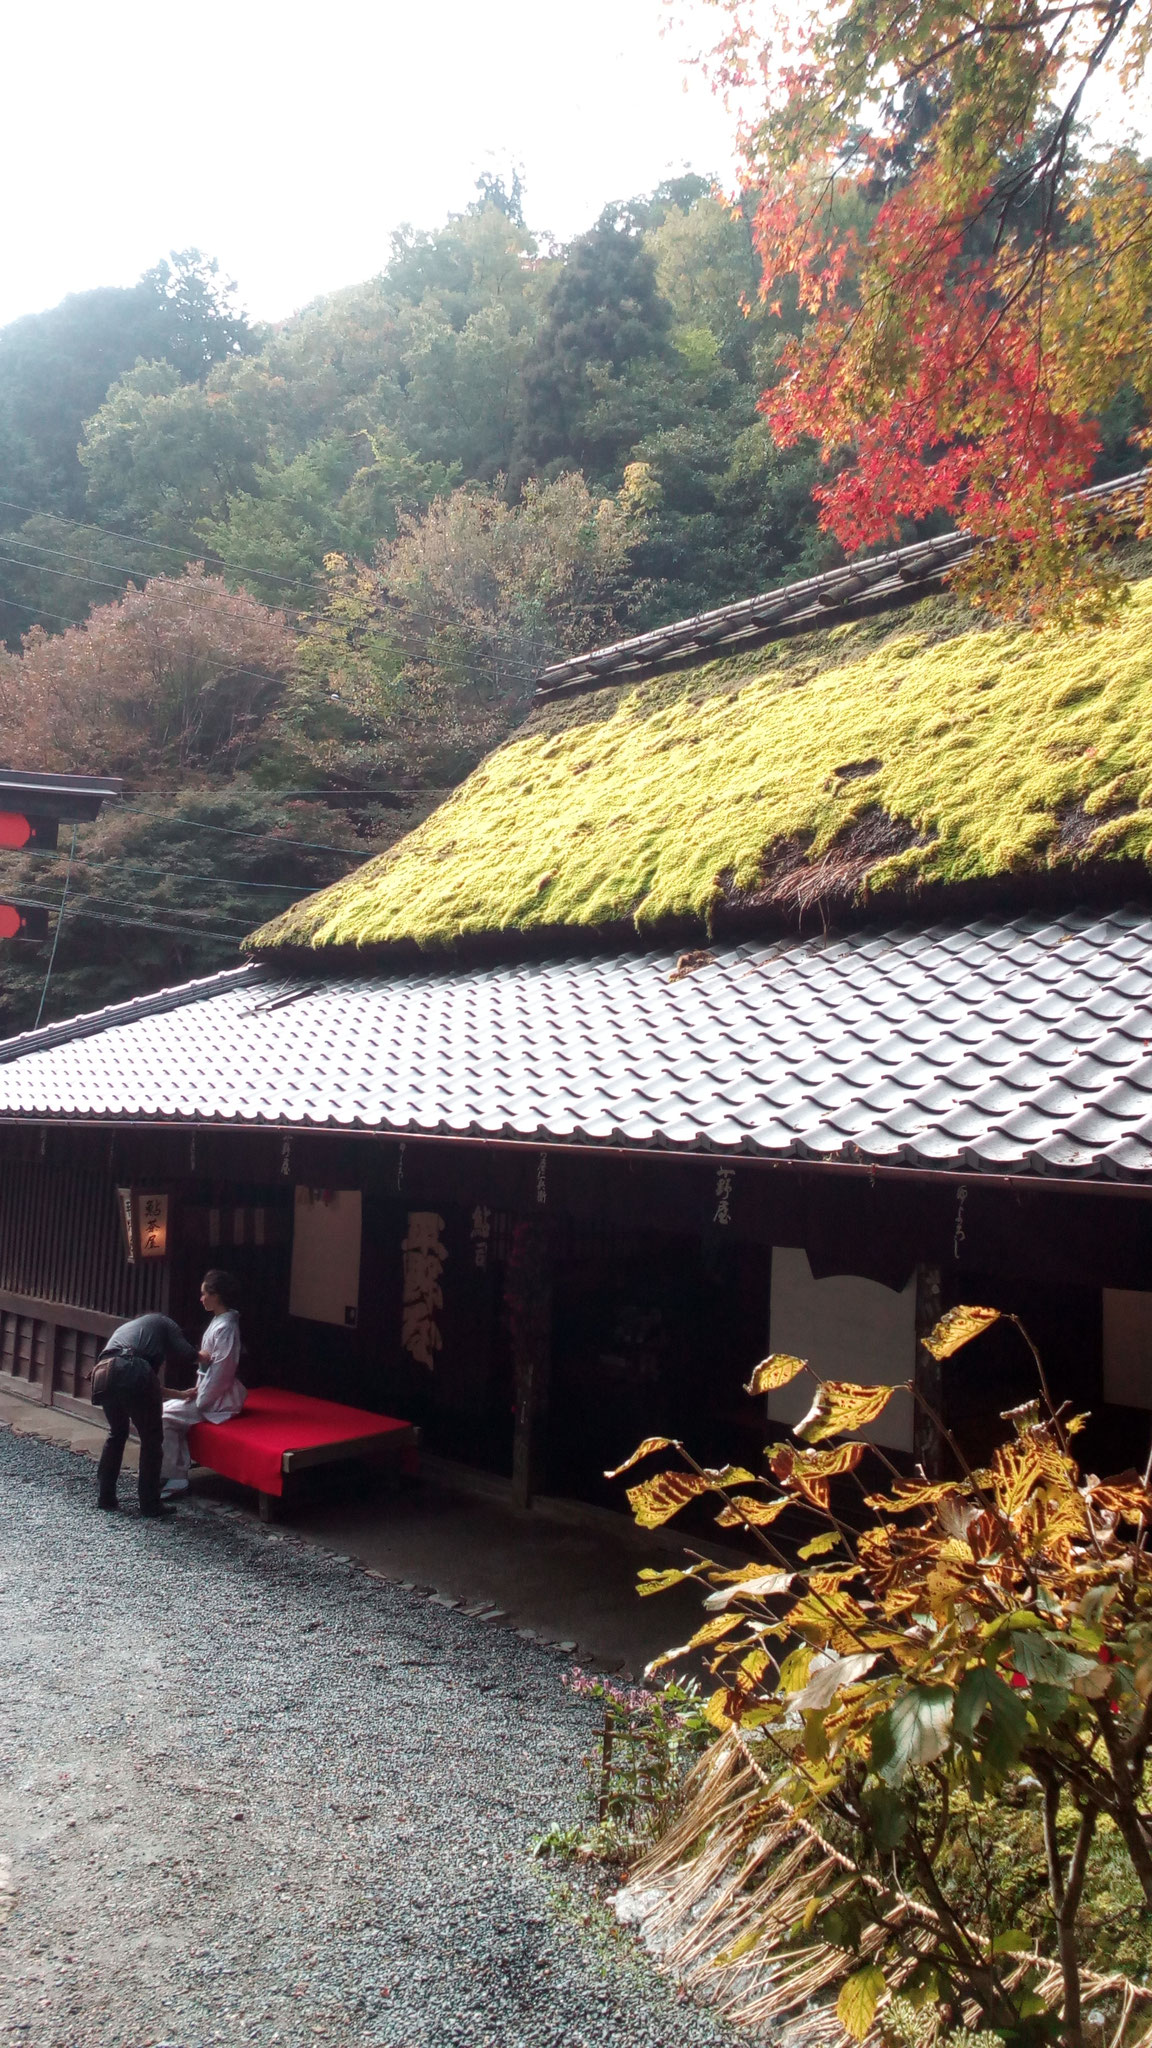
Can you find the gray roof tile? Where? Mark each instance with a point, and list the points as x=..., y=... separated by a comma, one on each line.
x=1023, y=1046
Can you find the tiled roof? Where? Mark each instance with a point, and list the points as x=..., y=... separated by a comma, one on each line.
x=903, y=572
x=1021, y=1046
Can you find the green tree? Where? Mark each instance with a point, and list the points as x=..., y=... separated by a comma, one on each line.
x=341, y=495
x=603, y=315
x=160, y=454
x=55, y=368
x=426, y=661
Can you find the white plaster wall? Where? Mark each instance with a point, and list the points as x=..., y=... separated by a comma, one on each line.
x=326, y=1255
x=850, y=1329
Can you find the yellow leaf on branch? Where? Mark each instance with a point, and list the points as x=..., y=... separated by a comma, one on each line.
x=775, y=1371
x=655, y=1501
x=644, y=1450
x=958, y=1328
x=840, y=1406
x=746, y=1508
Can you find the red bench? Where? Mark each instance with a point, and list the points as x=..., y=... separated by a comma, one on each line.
x=277, y=1434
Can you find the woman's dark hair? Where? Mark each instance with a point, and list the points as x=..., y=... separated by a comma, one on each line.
x=225, y=1285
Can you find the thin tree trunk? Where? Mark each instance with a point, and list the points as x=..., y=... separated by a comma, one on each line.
x=1066, y=1892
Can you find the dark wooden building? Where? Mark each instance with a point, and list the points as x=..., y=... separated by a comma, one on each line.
x=778, y=1002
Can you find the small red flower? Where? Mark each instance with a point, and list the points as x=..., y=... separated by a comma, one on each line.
x=1018, y=1680
x=1104, y=1655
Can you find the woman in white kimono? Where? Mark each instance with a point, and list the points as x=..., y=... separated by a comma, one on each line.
x=218, y=1394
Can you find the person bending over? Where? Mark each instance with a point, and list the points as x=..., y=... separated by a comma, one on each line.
x=126, y=1384
x=218, y=1394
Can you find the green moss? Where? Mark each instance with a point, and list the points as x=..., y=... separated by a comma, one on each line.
x=995, y=751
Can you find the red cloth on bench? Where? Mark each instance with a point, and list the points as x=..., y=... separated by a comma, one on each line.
x=250, y=1446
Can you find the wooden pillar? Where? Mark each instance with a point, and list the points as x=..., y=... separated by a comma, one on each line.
x=529, y=1302
x=51, y=1368
x=929, y=1374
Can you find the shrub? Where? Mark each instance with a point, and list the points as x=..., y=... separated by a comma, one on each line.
x=648, y=1741
x=975, y=1651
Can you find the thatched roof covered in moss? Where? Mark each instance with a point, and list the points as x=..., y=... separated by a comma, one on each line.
x=885, y=762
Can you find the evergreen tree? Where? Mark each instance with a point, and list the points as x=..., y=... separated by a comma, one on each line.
x=603, y=316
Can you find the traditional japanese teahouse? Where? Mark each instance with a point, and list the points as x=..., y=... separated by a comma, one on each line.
x=785, y=978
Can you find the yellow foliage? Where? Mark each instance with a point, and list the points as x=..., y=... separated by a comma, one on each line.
x=978, y=743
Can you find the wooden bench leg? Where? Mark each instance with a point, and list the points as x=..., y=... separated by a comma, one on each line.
x=269, y=1506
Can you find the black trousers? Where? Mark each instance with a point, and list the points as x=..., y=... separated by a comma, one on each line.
x=134, y=1394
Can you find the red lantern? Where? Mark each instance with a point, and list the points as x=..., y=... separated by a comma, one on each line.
x=15, y=829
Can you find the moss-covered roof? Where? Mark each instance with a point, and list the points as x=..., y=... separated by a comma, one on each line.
x=871, y=763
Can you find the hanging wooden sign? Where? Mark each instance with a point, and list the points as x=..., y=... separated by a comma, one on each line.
x=126, y=1211
x=152, y=1225
x=143, y=1223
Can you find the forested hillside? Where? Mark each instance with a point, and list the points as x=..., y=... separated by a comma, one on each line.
x=292, y=582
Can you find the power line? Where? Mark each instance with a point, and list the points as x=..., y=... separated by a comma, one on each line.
x=138, y=569
x=42, y=569
x=79, y=909
x=520, y=671
x=258, y=675
x=56, y=933
x=138, y=540
x=110, y=907
x=475, y=671
x=237, y=832
x=177, y=930
x=272, y=837
x=66, y=619
x=299, y=889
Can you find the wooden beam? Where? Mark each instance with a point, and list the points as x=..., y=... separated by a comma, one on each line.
x=62, y=1313
x=377, y=1445
x=528, y=1298
x=24, y=1390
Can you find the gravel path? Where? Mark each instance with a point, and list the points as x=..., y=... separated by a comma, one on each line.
x=249, y=1794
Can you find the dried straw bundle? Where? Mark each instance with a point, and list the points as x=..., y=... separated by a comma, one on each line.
x=718, y=1895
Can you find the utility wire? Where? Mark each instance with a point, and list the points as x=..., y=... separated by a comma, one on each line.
x=137, y=540
x=141, y=924
x=237, y=832
x=168, y=874
x=519, y=672
x=258, y=675
x=42, y=569
x=56, y=933
x=108, y=907
x=78, y=908
x=208, y=557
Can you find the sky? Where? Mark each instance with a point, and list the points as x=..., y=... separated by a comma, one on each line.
x=290, y=141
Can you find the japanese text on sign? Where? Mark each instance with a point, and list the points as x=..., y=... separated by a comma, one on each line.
x=423, y=1253
x=153, y=1211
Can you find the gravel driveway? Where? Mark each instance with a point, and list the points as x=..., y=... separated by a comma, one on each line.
x=249, y=1794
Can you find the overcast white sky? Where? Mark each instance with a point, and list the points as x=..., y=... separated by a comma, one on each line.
x=289, y=141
